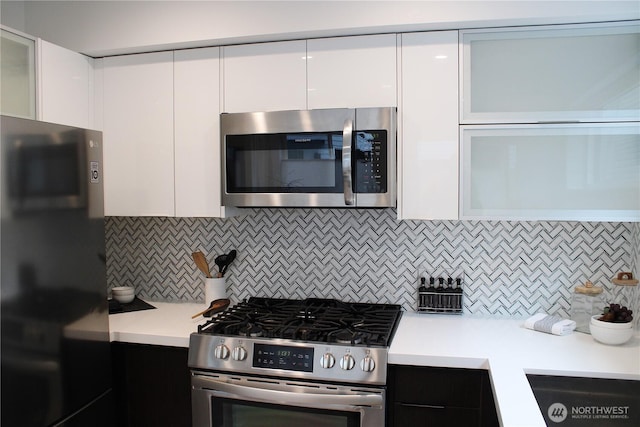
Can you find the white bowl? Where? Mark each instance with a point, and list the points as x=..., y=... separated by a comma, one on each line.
x=608, y=335
x=610, y=325
x=124, y=299
x=123, y=294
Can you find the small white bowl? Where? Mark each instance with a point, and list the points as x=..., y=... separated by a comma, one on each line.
x=608, y=335
x=123, y=294
x=610, y=325
x=124, y=299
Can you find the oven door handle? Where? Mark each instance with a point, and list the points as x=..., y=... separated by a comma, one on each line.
x=307, y=399
x=347, y=135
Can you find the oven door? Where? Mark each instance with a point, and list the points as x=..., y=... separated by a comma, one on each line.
x=221, y=400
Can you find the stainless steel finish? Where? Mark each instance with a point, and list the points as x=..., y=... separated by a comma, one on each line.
x=368, y=364
x=55, y=350
x=203, y=346
x=347, y=134
x=347, y=362
x=369, y=402
x=239, y=353
x=309, y=121
x=284, y=121
x=327, y=361
x=19, y=136
x=380, y=118
x=221, y=351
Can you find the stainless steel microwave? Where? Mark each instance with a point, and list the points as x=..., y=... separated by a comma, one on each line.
x=309, y=158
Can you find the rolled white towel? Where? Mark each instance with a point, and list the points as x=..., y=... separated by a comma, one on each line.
x=555, y=325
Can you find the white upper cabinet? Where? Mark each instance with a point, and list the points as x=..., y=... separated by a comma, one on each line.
x=66, y=86
x=197, y=133
x=583, y=172
x=352, y=72
x=17, y=75
x=586, y=73
x=138, y=135
x=265, y=77
x=428, y=126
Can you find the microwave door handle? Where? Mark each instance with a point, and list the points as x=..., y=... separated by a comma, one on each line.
x=347, y=133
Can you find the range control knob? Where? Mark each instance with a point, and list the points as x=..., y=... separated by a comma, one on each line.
x=221, y=351
x=327, y=361
x=239, y=353
x=347, y=362
x=368, y=364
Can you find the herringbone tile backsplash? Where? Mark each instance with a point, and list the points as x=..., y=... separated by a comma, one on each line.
x=510, y=268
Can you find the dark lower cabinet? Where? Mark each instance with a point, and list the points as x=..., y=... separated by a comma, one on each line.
x=430, y=396
x=152, y=385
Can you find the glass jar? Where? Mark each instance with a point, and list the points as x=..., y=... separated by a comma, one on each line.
x=586, y=301
x=625, y=293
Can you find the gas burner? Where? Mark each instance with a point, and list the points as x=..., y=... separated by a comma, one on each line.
x=250, y=330
x=346, y=336
x=311, y=320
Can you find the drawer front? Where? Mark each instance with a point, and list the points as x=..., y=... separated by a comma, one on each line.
x=437, y=386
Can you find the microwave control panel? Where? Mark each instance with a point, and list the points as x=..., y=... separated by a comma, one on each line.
x=370, y=161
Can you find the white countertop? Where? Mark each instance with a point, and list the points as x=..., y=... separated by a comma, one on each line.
x=501, y=345
x=509, y=351
x=169, y=324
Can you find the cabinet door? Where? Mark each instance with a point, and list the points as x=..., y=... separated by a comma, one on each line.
x=65, y=86
x=138, y=135
x=265, y=77
x=352, y=72
x=151, y=385
x=431, y=396
x=17, y=75
x=584, y=172
x=429, y=126
x=197, y=132
x=434, y=416
x=561, y=73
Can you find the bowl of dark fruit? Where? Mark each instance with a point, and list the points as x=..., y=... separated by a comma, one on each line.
x=614, y=326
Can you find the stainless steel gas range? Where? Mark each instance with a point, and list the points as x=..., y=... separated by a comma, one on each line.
x=277, y=362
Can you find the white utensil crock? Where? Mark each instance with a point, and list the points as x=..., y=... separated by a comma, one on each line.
x=214, y=288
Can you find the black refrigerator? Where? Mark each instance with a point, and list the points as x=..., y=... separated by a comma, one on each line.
x=55, y=351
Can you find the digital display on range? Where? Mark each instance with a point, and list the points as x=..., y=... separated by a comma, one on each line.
x=283, y=357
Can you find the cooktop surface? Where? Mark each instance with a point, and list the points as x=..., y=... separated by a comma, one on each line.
x=312, y=320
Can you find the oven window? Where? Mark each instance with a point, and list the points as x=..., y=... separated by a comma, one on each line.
x=284, y=163
x=240, y=413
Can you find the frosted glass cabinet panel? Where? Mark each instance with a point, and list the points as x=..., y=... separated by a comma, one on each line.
x=551, y=172
x=17, y=75
x=580, y=73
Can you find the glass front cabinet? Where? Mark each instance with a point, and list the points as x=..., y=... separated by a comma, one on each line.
x=587, y=172
x=17, y=75
x=550, y=123
x=577, y=73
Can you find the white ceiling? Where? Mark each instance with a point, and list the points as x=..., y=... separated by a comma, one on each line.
x=99, y=28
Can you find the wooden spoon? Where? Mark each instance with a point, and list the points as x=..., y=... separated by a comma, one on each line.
x=201, y=263
x=216, y=306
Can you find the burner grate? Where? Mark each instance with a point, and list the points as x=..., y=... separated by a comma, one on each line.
x=313, y=319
